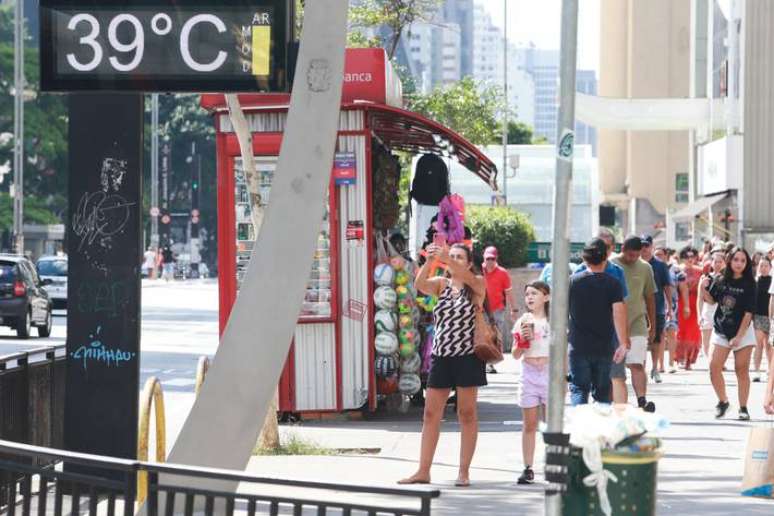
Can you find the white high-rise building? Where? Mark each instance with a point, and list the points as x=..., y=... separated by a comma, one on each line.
x=488, y=66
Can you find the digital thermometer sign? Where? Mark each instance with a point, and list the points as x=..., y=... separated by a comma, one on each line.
x=189, y=45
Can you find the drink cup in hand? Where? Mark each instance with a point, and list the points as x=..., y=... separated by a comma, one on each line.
x=527, y=332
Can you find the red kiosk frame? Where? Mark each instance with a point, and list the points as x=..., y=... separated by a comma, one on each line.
x=330, y=363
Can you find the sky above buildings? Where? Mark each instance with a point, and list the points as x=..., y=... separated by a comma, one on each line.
x=539, y=21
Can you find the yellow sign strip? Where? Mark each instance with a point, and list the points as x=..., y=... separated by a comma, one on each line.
x=261, y=48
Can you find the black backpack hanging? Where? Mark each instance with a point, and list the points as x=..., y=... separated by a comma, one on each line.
x=431, y=180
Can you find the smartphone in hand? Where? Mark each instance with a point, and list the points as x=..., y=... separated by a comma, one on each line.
x=439, y=239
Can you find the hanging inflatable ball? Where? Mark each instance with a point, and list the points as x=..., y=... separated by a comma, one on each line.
x=411, y=364
x=385, y=366
x=407, y=349
x=386, y=343
x=405, y=321
x=405, y=305
x=385, y=320
x=384, y=275
x=387, y=385
x=402, y=292
x=402, y=278
x=407, y=336
x=409, y=384
x=385, y=298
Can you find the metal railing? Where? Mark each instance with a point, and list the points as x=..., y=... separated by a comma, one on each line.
x=89, y=484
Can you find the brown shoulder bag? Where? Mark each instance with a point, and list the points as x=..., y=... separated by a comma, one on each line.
x=487, y=341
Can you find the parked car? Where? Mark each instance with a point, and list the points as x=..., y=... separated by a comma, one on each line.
x=24, y=302
x=54, y=268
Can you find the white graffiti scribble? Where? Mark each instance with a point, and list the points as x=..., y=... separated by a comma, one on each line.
x=100, y=216
x=112, y=174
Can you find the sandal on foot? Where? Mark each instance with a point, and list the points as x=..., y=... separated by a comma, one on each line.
x=413, y=480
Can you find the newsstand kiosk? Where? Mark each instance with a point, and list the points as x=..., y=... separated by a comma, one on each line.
x=330, y=366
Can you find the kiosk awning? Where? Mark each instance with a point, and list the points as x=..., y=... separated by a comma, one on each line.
x=400, y=129
x=699, y=205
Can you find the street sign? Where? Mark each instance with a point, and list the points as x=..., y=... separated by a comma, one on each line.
x=154, y=212
x=158, y=45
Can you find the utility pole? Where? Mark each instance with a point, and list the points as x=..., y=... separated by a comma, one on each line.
x=154, y=239
x=556, y=441
x=505, y=103
x=18, y=128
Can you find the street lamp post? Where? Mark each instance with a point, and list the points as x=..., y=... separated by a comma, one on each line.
x=556, y=440
x=505, y=103
x=18, y=128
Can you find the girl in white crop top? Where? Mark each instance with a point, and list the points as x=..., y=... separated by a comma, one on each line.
x=531, y=343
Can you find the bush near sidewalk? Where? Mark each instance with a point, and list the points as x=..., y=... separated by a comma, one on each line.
x=503, y=227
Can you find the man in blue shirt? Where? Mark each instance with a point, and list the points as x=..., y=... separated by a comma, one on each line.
x=664, y=286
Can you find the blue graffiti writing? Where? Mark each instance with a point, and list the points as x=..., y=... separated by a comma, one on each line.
x=96, y=351
x=107, y=297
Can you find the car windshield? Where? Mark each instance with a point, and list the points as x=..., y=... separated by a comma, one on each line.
x=7, y=273
x=52, y=267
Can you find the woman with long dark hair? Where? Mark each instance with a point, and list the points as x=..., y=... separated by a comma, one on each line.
x=454, y=365
x=734, y=292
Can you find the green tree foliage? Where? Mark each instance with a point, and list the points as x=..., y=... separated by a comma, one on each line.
x=507, y=229
x=35, y=212
x=519, y=133
x=464, y=107
x=45, y=128
x=396, y=16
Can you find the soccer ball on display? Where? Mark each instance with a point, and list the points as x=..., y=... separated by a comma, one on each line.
x=385, y=366
x=405, y=321
x=388, y=385
x=407, y=336
x=402, y=278
x=385, y=320
x=384, y=275
x=404, y=306
x=411, y=364
x=386, y=343
x=409, y=384
x=385, y=298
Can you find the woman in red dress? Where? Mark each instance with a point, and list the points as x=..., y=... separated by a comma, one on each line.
x=688, y=334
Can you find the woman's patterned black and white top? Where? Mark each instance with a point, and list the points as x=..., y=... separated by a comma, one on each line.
x=455, y=321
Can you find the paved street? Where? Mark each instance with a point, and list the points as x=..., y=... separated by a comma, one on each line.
x=700, y=473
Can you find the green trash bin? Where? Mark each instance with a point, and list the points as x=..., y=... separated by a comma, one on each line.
x=633, y=495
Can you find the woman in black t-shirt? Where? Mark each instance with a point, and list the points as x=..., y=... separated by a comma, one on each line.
x=761, y=319
x=734, y=292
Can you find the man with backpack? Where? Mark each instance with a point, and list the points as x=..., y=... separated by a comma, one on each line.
x=499, y=296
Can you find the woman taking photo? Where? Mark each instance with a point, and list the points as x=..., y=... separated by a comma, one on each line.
x=688, y=334
x=453, y=364
x=734, y=292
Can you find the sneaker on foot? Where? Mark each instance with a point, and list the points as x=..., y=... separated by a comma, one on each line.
x=657, y=377
x=743, y=414
x=756, y=378
x=491, y=369
x=649, y=407
x=721, y=408
x=672, y=370
x=527, y=476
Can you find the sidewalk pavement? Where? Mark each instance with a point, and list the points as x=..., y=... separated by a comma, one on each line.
x=700, y=473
